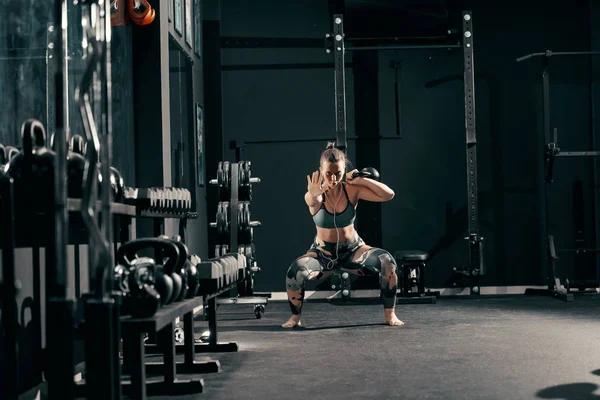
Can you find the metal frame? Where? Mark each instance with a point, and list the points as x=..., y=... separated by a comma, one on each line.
x=340, y=82
x=475, y=267
x=551, y=151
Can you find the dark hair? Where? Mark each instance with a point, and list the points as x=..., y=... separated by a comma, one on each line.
x=332, y=154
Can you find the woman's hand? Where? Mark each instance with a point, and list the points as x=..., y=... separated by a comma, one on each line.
x=351, y=180
x=316, y=184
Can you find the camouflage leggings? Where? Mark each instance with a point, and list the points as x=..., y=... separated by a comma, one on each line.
x=353, y=256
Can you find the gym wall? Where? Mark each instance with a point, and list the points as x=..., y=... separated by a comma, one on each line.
x=427, y=168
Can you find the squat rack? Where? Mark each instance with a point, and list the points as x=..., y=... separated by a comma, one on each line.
x=336, y=42
x=551, y=151
x=475, y=267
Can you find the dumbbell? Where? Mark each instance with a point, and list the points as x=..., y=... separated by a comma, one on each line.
x=211, y=269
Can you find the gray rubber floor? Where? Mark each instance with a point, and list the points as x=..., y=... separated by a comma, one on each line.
x=494, y=348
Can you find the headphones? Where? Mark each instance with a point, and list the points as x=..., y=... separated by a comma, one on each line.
x=337, y=242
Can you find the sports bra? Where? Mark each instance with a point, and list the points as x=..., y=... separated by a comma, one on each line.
x=325, y=219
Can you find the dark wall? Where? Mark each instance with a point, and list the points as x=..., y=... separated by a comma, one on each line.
x=427, y=167
x=595, y=91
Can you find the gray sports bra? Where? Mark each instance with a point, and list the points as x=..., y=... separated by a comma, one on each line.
x=325, y=219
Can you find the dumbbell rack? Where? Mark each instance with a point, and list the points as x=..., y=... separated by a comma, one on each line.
x=231, y=216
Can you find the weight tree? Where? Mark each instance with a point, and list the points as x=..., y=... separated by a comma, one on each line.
x=555, y=287
x=475, y=267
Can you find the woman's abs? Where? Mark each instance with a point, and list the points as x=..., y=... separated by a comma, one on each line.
x=336, y=235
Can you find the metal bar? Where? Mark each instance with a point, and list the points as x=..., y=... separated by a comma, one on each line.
x=578, y=154
x=406, y=47
x=351, y=39
x=319, y=140
x=265, y=42
x=50, y=77
x=476, y=259
x=550, y=53
x=288, y=66
x=9, y=320
x=340, y=82
x=471, y=137
x=578, y=250
x=546, y=100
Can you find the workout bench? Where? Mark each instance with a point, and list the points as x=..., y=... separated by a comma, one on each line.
x=411, y=279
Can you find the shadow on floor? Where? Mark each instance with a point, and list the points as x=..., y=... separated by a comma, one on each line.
x=571, y=391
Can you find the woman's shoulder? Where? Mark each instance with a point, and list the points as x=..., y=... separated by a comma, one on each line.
x=352, y=191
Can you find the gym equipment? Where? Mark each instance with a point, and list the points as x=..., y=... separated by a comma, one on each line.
x=556, y=288
x=182, y=269
x=135, y=280
x=77, y=151
x=367, y=172
x=335, y=43
x=141, y=12
x=236, y=232
x=75, y=167
x=411, y=277
x=192, y=273
x=157, y=202
x=167, y=282
x=33, y=168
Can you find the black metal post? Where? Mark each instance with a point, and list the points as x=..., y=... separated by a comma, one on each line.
x=60, y=307
x=340, y=82
x=476, y=262
x=9, y=379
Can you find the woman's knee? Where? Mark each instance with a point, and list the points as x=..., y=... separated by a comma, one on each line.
x=301, y=270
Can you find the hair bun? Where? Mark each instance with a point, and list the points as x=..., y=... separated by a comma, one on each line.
x=330, y=145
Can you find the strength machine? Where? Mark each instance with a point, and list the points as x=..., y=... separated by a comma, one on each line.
x=556, y=288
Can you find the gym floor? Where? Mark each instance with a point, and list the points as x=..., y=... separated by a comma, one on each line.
x=490, y=348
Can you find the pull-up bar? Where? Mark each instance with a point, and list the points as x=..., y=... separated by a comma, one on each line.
x=550, y=53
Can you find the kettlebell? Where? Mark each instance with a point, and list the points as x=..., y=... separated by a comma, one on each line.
x=135, y=283
x=33, y=168
x=117, y=185
x=368, y=172
x=11, y=152
x=178, y=275
x=163, y=274
x=3, y=158
x=190, y=270
x=75, y=167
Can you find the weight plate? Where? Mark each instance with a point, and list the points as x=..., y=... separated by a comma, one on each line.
x=220, y=178
x=248, y=171
x=240, y=215
x=226, y=173
x=220, y=218
x=226, y=215
x=246, y=214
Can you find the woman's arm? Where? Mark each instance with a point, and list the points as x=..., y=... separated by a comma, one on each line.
x=311, y=200
x=371, y=190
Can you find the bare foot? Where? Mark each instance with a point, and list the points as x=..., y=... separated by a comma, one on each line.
x=293, y=322
x=391, y=318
